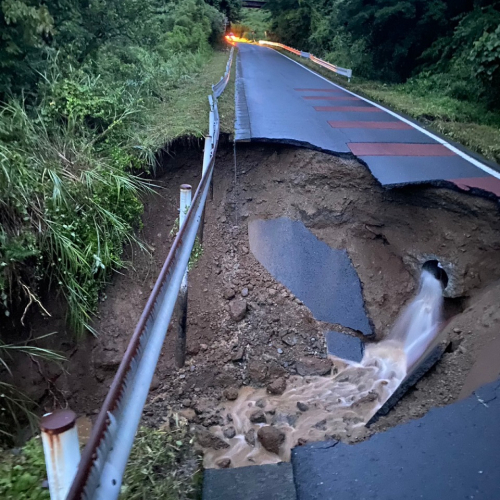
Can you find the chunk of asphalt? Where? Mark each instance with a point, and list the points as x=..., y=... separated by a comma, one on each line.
x=323, y=278
x=344, y=346
x=263, y=482
x=418, y=372
x=450, y=453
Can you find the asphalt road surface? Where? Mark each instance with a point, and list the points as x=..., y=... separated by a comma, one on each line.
x=280, y=100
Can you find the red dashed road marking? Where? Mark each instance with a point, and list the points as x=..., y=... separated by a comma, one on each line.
x=362, y=109
x=399, y=125
x=330, y=98
x=320, y=90
x=490, y=184
x=398, y=149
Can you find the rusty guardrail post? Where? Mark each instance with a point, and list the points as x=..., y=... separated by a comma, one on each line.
x=182, y=300
x=61, y=450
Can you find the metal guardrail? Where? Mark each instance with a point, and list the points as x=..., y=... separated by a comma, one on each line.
x=219, y=87
x=104, y=459
x=281, y=46
x=332, y=67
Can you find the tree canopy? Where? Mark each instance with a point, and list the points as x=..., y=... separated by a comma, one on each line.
x=394, y=40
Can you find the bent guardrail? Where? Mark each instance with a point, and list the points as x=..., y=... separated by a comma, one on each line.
x=332, y=67
x=104, y=459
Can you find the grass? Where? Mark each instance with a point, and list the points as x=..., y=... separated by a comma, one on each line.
x=22, y=472
x=184, y=113
x=162, y=465
x=226, y=102
x=465, y=122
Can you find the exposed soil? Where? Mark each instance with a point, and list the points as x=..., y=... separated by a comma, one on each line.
x=246, y=329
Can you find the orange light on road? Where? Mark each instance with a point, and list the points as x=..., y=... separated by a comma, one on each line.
x=232, y=39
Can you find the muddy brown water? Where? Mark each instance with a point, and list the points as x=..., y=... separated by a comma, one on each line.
x=336, y=406
x=311, y=408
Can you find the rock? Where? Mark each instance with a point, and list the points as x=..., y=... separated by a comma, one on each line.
x=244, y=250
x=261, y=403
x=321, y=425
x=155, y=383
x=193, y=350
x=237, y=309
x=203, y=347
x=302, y=406
x=108, y=359
x=257, y=370
x=244, y=292
x=231, y=393
x=290, y=339
x=313, y=366
x=238, y=354
x=258, y=417
x=280, y=351
x=228, y=293
x=229, y=433
x=277, y=387
x=281, y=418
x=208, y=440
x=223, y=463
x=188, y=414
x=271, y=438
x=250, y=437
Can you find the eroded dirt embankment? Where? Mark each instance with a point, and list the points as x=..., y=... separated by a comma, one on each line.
x=246, y=329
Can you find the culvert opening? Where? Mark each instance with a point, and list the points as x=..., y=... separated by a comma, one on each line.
x=436, y=269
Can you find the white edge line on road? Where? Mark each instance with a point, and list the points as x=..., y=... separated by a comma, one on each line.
x=457, y=151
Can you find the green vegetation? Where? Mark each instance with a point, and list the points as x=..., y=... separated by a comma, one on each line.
x=184, y=112
x=393, y=40
x=254, y=25
x=162, y=465
x=90, y=95
x=14, y=403
x=21, y=474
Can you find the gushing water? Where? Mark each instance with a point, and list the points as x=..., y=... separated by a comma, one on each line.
x=417, y=325
x=338, y=406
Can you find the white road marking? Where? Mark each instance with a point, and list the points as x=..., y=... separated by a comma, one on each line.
x=457, y=151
